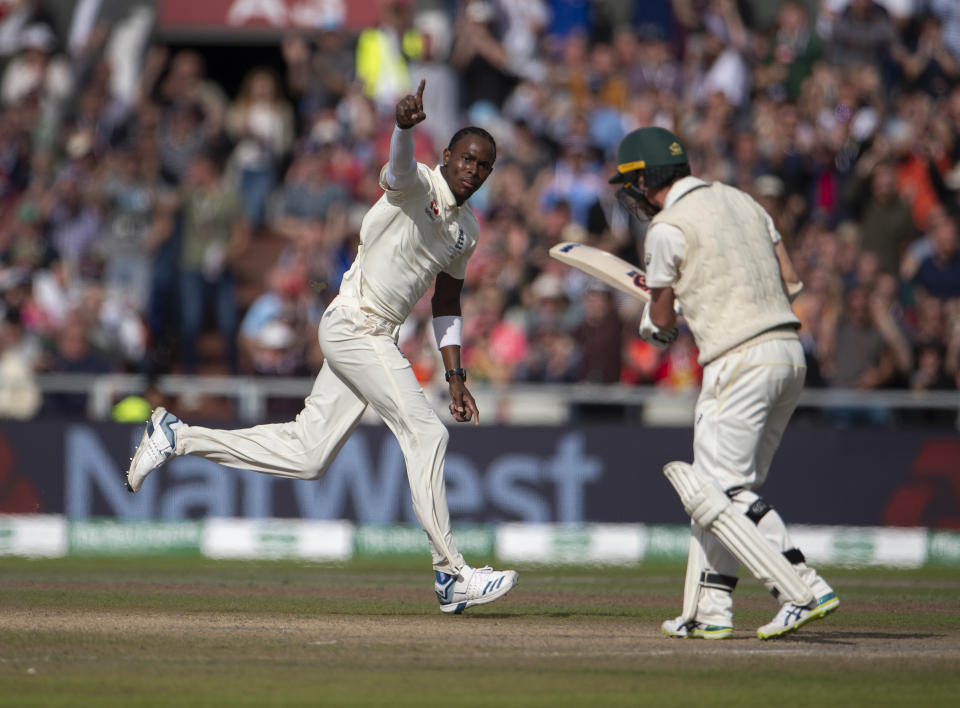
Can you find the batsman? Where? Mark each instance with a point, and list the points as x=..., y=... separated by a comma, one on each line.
x=420, y=232
x=713, y=252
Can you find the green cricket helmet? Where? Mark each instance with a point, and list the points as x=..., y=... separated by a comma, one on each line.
x=647, y=159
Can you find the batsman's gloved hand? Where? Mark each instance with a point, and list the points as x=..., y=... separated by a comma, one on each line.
x=652, y=334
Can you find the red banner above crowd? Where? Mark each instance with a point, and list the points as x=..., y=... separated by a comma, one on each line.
x=267, y=16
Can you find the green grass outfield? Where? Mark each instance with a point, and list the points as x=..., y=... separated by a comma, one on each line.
x=197, y=632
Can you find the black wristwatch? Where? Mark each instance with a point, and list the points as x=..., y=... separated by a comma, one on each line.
x=461, y=372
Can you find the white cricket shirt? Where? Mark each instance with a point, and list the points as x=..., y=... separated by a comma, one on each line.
x=407, y=238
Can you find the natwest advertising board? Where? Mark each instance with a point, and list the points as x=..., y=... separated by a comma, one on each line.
x=263, y=16
x=535, y=475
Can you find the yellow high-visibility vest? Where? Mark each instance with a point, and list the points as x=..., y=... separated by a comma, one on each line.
x=383, y=69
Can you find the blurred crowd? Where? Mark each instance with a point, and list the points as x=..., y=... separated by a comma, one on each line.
x=154, y=222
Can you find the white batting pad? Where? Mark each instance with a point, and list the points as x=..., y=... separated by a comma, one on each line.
x=691, y=584
x=712, y=510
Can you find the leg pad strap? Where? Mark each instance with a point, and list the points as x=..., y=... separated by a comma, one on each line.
x=718, y=581
x=758, y=510
x=794, y=555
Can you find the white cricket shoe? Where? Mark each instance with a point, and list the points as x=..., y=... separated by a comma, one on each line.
x=792, y=617
x=158, y=444
x=678, y=629
x=473, y=586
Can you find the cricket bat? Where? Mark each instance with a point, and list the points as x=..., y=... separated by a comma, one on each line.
x=604, y=266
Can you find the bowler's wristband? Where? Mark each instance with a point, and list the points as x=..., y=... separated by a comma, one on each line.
x=448, y=329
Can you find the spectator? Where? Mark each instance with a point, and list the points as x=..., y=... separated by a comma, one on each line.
x=648, y=61
x=73, y=354
x=930, y=374
x=481, y=60
x=320, y=72
x=186, y=84
x=135, y=206
x=884, y=218
x=307, y=193
x=442, y=102
x=181, y=136
x=276, y=327
x=949, y=14
x=864, y=34
x=261, y=124
x=553, y=357
x=17, y=16
x=864, y=355
x=529, y=153
x=214, y=236
x=383, y=53
x=793, y=48
x=939, y=272
x=574, y=180
x=921, y=247
x=599, y=336
x=36, y=69
x=19, y=394
x=73, y=221
x=928, y=65
x=524, y=22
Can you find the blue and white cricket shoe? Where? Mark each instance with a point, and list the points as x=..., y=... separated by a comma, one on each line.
x=473, y=586
x=792, y=617
x=158, y=445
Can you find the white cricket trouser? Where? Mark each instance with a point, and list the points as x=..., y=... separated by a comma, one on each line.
x=745, y=403
x=362, y=364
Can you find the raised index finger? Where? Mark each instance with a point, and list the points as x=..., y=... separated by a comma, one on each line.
x=423, y=83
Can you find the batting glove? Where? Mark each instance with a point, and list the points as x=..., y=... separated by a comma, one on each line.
x=652, y=334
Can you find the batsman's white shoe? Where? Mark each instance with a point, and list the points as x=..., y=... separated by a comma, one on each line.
x=473, y=586
x=678, y=629
x=156, y=446
x=792, y=617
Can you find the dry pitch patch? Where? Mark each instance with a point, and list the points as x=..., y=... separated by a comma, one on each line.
x=526, y=630
x=490, y=635
x=202, y=633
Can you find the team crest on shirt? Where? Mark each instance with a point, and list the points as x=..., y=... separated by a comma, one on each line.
x=432, y=210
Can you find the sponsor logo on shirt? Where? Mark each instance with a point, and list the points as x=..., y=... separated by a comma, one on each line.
x=456, y=248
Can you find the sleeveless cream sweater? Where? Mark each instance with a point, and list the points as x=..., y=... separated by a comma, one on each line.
x=729, y=284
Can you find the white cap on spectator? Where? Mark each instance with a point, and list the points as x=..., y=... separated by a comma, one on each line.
x=325, y=132
x=435, y=24
x=547, y=285
x=275, y=335
x=479, y=11
x=768, y=186
x=37, y=36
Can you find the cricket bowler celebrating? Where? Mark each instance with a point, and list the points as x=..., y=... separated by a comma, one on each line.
x=714, y=250
x=421, y=231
